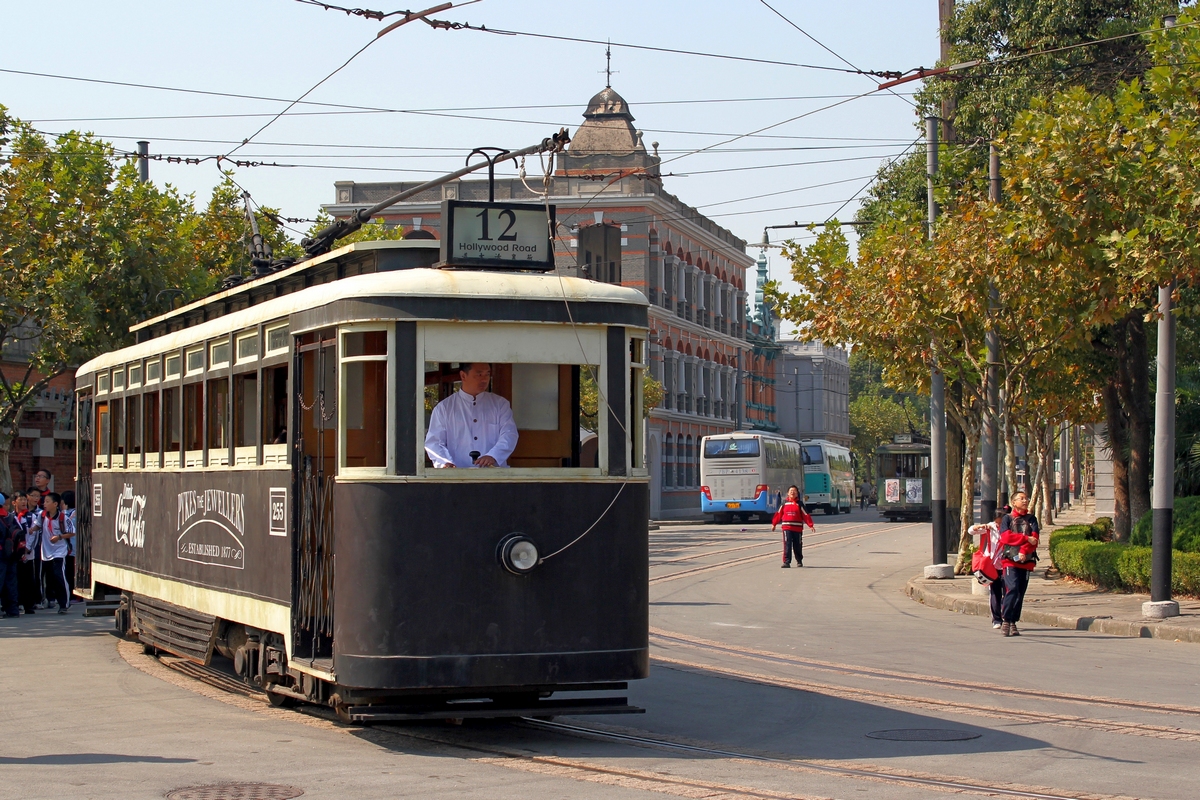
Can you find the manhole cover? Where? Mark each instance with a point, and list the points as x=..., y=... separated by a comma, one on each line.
x=923, y=735
x=235, y=791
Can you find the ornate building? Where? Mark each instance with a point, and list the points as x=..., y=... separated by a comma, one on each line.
x=617, y=224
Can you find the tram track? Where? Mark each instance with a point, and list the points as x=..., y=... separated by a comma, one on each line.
x=708, y=553
x=746, y=559
x=217, y=685
x=937, y=705
x=765, y=656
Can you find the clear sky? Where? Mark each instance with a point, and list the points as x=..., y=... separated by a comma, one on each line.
x=475, y=89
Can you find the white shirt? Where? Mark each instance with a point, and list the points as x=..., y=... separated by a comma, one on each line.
x=462, y=423
x=45, y=527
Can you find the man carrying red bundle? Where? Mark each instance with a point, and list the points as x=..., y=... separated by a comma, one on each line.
x=1019, y=536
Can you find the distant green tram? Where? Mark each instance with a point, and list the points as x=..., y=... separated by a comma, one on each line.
x=902, y=483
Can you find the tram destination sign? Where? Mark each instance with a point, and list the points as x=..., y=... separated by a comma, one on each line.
x=497, y=235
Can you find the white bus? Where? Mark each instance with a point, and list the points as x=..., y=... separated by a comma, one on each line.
x=747, y=473
x=828, y=476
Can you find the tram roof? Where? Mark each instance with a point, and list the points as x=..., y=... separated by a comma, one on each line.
x=423, y=284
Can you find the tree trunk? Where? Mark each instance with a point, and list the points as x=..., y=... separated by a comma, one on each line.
x=1136, y=367
x=1117, y=436
x=963, y=567
x=6, y=484
x=1010, y=452
x=1048, y=492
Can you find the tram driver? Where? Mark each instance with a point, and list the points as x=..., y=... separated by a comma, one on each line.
x=472, y=427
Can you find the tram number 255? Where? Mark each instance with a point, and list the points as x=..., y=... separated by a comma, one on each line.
x=504, y=214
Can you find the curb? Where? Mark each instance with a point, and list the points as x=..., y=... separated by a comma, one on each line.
x=920, y=590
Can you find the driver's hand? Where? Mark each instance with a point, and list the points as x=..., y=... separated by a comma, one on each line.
x=485, y=461
x=447, y=465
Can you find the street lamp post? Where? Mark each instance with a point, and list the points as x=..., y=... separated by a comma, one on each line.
x=937, y=394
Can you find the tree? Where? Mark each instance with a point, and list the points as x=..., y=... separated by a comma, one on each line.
x=221, y=234
x=86, y=250
x=875, y=419
x=589, y=397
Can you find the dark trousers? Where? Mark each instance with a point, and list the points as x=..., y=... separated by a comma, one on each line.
x=793, y=542
x=997, y=599
x=55, y=572
x=1016, y=581
x=29, y=581
x=8, y=587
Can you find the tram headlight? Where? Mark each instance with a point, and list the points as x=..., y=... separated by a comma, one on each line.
x=517, y=553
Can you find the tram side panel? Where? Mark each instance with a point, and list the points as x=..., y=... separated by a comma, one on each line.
x=422, y=600
x=223, y=530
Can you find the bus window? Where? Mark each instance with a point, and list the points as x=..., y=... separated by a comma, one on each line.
x=813, y=454
x=731, y=448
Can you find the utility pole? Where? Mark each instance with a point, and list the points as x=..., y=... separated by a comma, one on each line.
x=143, y=161
x=991, y=428
x=1163, y=501
x=949, y=106
x=1076, y=462
x=1064, y=461
x=937, y=393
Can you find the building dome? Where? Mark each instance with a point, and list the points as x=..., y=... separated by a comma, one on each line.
x=607, y=128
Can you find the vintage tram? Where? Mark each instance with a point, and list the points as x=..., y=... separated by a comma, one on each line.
x=252, y=483
x=902, y=468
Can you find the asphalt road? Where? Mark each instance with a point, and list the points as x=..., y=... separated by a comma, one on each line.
x=765, y=683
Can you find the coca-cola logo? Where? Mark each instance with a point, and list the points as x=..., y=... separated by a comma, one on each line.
x=130, y=525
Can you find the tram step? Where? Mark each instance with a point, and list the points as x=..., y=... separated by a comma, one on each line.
x=175, y=629
x=490, y=708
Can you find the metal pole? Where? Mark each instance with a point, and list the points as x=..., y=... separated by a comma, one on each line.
x=143, y=162
x=1077, y=461
x=1163, y=499
x=991, y=427
x=1163, y=505
x=1064, y=467
x=937, y=388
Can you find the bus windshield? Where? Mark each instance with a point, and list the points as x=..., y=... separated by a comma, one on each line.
x=812, y=454
x=731, y=448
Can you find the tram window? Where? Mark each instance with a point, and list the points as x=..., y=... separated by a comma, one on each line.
x=274, y=427
x=133, y=425
x=217, y=420
x=637, y=361
x=277, y=339
x=195, y=361
x=245, y=415
x=103, y=432
x=135, y=375
x=172, y=366
x=219, y=355
x=364, y=398
x=193, y=418
x=118, y=427
x=153, y=370
x=150, y=422
x=172, y=427
x=247, y=347
x=118, y=378
x=102, y=383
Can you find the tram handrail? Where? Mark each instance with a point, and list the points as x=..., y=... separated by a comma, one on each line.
x=323, y=240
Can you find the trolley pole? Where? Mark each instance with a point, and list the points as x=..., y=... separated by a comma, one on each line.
x=991, y=429
x=937, y=393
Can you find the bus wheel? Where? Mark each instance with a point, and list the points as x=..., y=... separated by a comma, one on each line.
x=723, y=519
x=847, y=509
x=830, y=509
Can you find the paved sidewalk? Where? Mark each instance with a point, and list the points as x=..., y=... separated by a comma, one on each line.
x=1064, y=603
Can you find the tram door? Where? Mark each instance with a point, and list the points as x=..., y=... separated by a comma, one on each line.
x=315, y=420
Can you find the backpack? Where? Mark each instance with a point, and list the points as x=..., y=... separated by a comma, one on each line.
x=983, y=568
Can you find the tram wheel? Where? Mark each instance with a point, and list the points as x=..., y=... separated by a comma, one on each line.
x=149, y=649
x=280, y=700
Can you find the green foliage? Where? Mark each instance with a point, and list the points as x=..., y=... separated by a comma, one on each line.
x=221, y=234
x=875, y=419
x=1186, y=533
x=589, y=397
x=1117, y=565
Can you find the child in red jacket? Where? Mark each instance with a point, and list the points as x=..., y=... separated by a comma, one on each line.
x=794, y=517
x=1020, y=534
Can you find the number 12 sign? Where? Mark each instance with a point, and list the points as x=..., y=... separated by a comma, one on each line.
x=504, y=235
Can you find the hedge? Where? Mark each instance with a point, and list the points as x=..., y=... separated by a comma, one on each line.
x=1077, y=551
x=1186, y=524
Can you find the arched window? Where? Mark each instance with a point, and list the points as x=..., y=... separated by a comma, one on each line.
x=687, y=471
x=668, y=461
